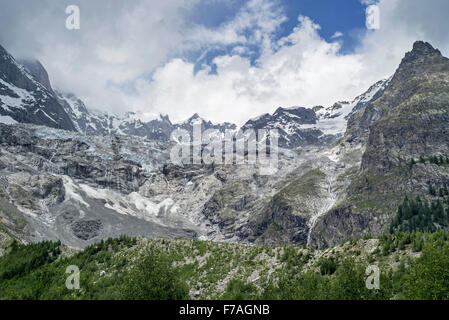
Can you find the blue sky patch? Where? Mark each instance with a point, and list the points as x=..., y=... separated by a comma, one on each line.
x=346, y=19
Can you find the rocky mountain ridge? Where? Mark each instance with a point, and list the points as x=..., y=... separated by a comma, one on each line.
x=337, y=178
x=408, y=122
x=298, y=126
x=24, y=99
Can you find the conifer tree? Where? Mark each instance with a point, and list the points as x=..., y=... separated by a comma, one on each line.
x=432, y=191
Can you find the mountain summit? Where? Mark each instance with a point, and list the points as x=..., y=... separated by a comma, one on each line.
x=407, y=123
x=23, y=98
x=421, y=48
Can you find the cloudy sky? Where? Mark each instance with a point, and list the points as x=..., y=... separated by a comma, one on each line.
x=227, y=60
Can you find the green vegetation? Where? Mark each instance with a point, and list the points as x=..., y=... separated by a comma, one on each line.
x=22, y=259
x=154, y=278
x=412, y=265
x=421, y=215
x=240, y=290
x=37, y=271
x=438, y=160
x=327, y=265
x=428, y=278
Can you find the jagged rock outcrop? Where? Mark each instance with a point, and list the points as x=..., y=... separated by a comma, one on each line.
x=408, y=81
x=81, y=188
x=38, y=71
x=414, y=112
x=409, y=120
x=205, y=125
x=24, y=99
x=290, y=125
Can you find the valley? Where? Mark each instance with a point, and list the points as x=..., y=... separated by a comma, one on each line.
x=103, y=188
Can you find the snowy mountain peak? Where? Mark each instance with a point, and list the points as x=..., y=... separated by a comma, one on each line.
x=300, y=126
x=333, y=119
x=26, y=96
x=298, y=114
x=25, y=99
x=262, y=117
x=195, y=119
x=132, y=117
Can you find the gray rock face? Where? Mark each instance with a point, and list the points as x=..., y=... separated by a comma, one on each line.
x=205, y=125
x=407, y=121
x=87, y=229
x=289, y=122
x=157, y=129
x=24, y=99
x=405, y=83
x=38, y=71
x=373, y=93
x=413, y=112
x=82, y=188
x=130, y=124
x=74, y=158
x=113, y=175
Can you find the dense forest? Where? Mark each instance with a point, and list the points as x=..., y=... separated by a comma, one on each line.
x=420, y=214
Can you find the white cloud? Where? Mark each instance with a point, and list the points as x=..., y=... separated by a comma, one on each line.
x=118, y=42
x=402, y=23
x=369, y=2
x=300, y=69
x=337, y=35
x=127, y=55
x=254, y=23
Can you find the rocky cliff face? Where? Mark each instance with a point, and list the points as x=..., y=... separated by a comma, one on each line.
x=290, y=125
x=24, y=99
x=80, y=188
x=414, y=114
x=37, y=70
x=409, y=120
x=343, y=169
x=408, y=79
x=98, y=123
